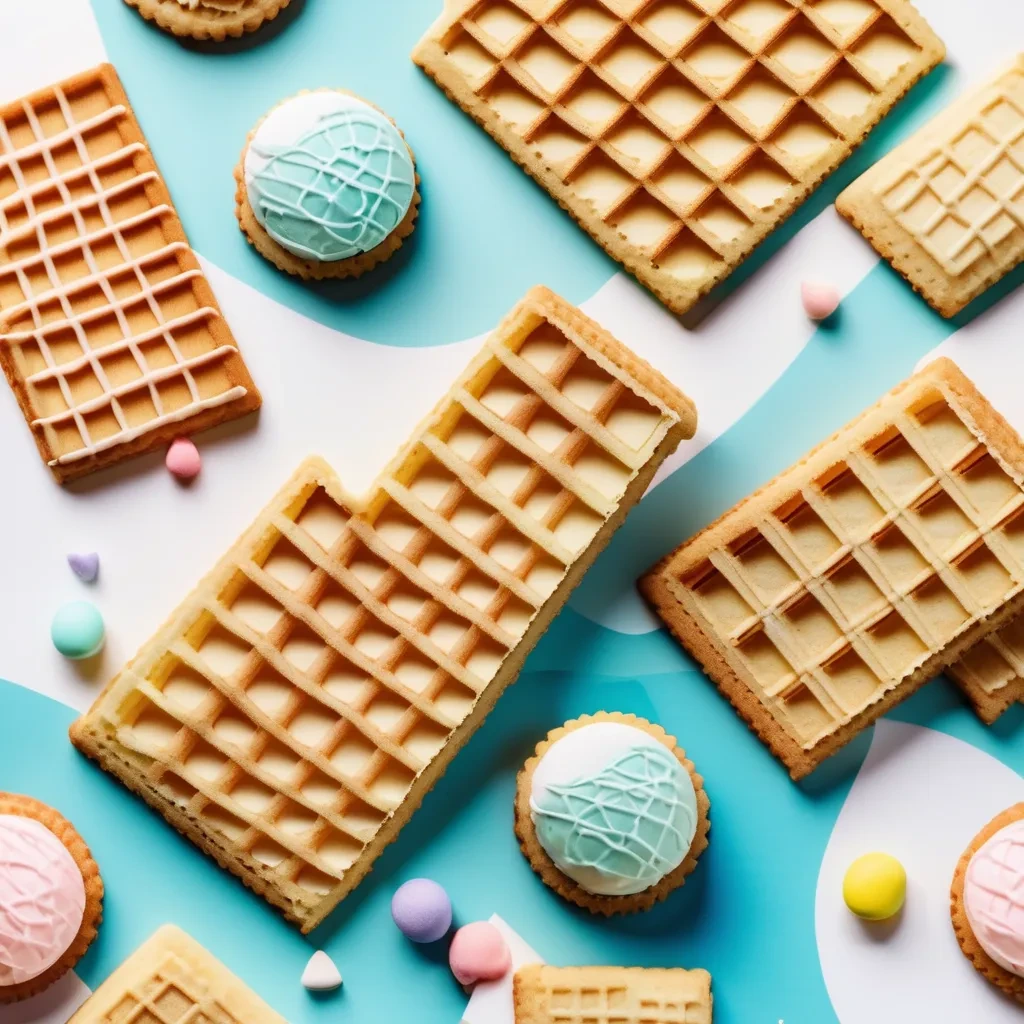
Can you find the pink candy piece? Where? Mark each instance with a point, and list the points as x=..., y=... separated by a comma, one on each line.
x=820, y=300
x=479, y=953
x=183, y=459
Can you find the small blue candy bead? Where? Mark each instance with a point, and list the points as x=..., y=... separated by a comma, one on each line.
x=77, y=630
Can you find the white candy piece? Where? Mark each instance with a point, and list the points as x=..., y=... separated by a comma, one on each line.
x=321, y=974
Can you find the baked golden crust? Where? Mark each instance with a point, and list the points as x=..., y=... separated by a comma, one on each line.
x=206, y=23
x=565, y=886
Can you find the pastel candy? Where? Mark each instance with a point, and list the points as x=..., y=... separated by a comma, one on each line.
x=85, y=566
x=422, y=910
x=479, y=953
x=820, y=300
x=875, y=886
x=321, y=973
x=183, y=460
x=77, y=630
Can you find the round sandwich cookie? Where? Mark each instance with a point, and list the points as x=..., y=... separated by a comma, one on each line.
x=51, y=897
x=327, y=186
x=987, y=902
x=610, y=813
x=209, y=19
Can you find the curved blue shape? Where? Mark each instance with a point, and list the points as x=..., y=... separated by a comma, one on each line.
x=486, y=232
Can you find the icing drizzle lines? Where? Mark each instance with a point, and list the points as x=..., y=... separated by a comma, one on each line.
x=148, y=293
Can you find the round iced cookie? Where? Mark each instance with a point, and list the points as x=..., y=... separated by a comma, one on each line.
x=209, y=19
x=987, y=902
x=77, y=630
x=326, y=186
x=50, y=897
x=610, y=813
x=875, y=887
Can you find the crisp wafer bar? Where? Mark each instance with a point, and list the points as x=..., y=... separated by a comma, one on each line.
x=611, y=995
x=171, y=979
x=678, y=133
x=946, y=208
x=991, y=673
x=854, y=577
x=292, y=713
x=109, y=333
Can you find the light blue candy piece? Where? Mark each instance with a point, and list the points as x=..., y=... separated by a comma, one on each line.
x=77, y=630
x=339, y=185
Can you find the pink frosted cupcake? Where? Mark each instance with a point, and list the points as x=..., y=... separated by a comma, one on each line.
x=51, y=897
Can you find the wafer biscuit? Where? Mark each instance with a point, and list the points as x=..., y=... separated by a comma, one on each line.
x=1011, y=901
x=946, y=207
x=109, y=333
x=171, y=979
x=292, y=713
x=678, y=133
x=611, y=995
x=209, y=19
x=561, y=883
x=839, y=588
x=991, y=673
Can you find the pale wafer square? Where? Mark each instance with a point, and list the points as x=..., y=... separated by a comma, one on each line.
x=946, y=208
x=991, y=673
x=109, y=333
x=678, y=133
x=292, y=713
x=855, y=576
x=171, y=979
x=611, y=995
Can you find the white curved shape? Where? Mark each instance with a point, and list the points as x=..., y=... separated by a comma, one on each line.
x=922, y=796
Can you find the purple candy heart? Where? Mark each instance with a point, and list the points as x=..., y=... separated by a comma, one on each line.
x=86, y=567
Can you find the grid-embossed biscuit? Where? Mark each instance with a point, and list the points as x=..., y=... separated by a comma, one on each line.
x=991, y=673
x=946, y=208
x=678, y=133
x=292, y=713
x=855, y=576
x=171, y=979
x=611, y=995
x=110, y=334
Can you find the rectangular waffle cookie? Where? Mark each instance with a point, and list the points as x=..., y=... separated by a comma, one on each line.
x=946, y=208
x=678, y=133
x=991, y=673
x=611, y=995
x=109, y=333
x=854, y=577
x=171, y=979
x=292, y=713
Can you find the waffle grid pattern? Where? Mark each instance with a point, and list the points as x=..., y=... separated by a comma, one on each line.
x=843, y=589
x=962, y=196
x=171, y=979
x=102, y=325
x=679, y=132
x=991, y=673
x=612, y=995
x=293, y=701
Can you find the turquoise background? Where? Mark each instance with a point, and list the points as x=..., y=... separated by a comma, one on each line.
x=487, y=234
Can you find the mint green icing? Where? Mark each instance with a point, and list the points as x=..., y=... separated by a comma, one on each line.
x=339, y=189
x=622, y=830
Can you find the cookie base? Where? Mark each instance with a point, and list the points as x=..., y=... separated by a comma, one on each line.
x=208, y=24
x=545, y=867
x=1010, y=983
x=319, y=270
x=27, y=807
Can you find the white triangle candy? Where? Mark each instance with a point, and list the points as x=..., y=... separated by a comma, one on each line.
x=321, y=975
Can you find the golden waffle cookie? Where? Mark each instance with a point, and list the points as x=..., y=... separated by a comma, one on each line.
x=171, y=979
x=611, y=995
x=209, y=19
x=292, y=713
x=851, y=579
x=678, y=133
x=109, y=333
x=946, y=208
x=991, y=673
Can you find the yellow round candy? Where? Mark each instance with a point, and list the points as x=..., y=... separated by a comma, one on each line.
x=875, y=886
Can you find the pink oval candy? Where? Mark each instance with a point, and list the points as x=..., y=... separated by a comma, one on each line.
x=820, y=300
x=479, y=953
x=183, y=459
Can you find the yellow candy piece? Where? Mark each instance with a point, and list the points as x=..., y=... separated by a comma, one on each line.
x=875, y=886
